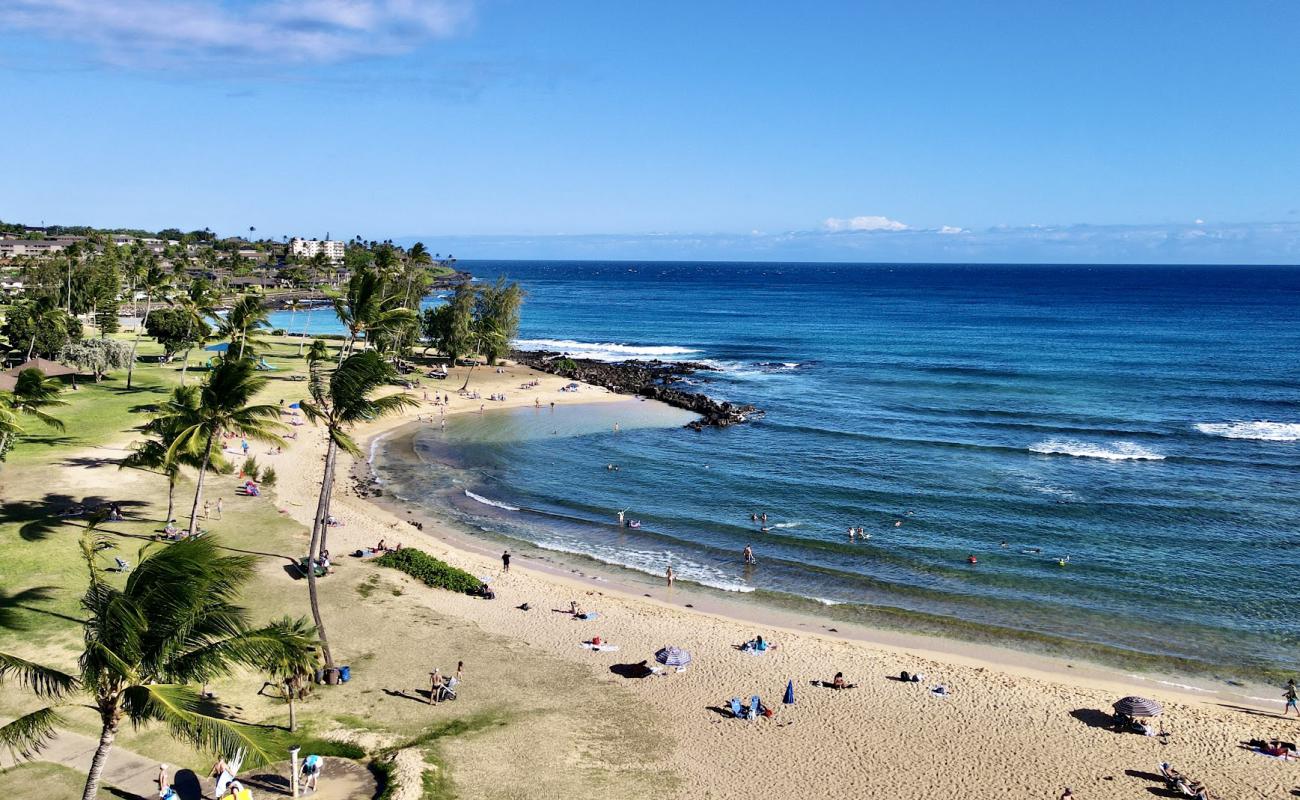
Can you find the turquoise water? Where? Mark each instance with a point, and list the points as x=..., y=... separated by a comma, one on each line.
x=1141, y=421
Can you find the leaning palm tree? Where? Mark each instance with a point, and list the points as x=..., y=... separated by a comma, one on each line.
x=341, y=399
x=243, y=323
x=225, y=404
x=174, y=624
x=198, y=303
x=365, y=309
x=155, y=453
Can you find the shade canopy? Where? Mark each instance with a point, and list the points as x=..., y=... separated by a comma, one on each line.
x=218, y=348
x=52, y=369
x=673, y=657
x=1138, y=707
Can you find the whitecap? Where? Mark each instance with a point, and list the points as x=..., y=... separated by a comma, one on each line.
x=787, y=524
x=1115, y=451
x=604, y=351
x=1259, y=430
x=485, y=501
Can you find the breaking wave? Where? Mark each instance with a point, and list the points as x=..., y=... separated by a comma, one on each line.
x=1259, y=430
x=485, y=501
x=1115, y=451
x=604, y=351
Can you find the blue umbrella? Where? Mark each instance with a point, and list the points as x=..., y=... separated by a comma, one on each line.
x=218, y=348
x=789, y=694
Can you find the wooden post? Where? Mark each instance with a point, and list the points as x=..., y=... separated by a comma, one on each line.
x=293, y=771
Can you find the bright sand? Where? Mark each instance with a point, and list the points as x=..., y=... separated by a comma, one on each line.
x=1012, y=726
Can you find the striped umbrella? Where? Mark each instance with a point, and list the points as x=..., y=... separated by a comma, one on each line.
x=673, y=657
x=1138, y=707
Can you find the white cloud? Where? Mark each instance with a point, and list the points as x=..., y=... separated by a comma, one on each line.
x=1200, y=222
x=865, y=223
x=951, y=229
x=159, y=32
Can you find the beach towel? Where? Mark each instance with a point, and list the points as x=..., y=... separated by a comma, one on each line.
x=939, y=691
x=601, y=648
x=590, y=615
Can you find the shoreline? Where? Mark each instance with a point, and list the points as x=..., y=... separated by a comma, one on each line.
x=1018, y=724
x=1196, y=685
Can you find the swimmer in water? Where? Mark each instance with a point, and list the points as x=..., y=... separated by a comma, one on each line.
x=853, y=532
x=1004, y=543
x=971, y=559
x=898, y=523
x=620, y=517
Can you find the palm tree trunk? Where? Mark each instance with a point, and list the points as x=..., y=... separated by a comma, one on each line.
x=467, y=374
x=171, y=494
x=185, y=367
x=130, y=367
x=106, y=736
x=313, y=551
x=293, y=711
x=198, y=490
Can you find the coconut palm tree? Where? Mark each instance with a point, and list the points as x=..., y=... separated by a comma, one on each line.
x=155, y=281
x=175, y=623
x=198, y=303
x=32, y=394
x=243, y=323
x=364, y=308
x=288, y=670
x=225, y=404
x=340, y=399
x=155, y=453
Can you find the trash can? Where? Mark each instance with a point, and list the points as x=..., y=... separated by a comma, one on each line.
x=332, y=676
x=345, y=674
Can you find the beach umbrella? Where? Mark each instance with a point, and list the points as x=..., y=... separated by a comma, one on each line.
x=1138, y=707
x=218, y=348
x=789, y=694
x=673, y=657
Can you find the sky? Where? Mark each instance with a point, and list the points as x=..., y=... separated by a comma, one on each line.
x=841, y=131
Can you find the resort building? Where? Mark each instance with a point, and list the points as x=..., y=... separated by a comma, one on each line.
x=306, y=248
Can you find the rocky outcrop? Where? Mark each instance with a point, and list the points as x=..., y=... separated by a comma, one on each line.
x=650, y=379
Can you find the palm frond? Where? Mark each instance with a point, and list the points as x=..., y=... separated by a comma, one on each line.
x=179, y=707
x=28, y=735
x=41, y=680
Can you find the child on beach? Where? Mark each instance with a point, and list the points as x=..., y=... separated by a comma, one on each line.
x=1290, y=698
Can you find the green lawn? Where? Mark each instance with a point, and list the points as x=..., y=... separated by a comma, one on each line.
x=44, y=781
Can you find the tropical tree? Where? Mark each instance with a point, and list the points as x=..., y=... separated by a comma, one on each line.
x=365, y=308
x=243, y=323
x=155, y=453
x=154, y=280
x=290, y=673
x=496, y=317
x=174, y=624
x=225, y=404
x=40, y=327
x=198, y=303
x=32, y=394
x=176, y=329
x=96, y=356
x=451, y=326
x=341, y=399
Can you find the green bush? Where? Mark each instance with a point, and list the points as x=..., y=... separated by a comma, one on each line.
x=268, y=476
x=424, y=567
x=251, y=469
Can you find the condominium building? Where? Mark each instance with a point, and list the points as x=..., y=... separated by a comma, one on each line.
x=306, y=248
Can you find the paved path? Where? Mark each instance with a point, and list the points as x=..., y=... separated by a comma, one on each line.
x=127, y=771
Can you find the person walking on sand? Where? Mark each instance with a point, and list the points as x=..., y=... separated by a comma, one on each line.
x=435, y=680
x=1290, y=698
x=207, y=508
x=669, y=575
x=220, y=502
x=505, y=561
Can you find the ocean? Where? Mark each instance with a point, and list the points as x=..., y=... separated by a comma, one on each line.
x=1117, y=446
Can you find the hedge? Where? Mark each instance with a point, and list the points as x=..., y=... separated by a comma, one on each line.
x=422, y=566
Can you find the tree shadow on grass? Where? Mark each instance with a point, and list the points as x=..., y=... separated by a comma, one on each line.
x=90, y=462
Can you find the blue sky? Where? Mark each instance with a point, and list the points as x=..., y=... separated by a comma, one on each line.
x=1151, y=131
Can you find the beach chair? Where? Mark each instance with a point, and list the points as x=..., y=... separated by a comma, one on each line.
x=447, y=691
x=736, y=710
x=122, y=566
x=755, y=707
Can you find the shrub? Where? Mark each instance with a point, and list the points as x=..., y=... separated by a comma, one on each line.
x=278, y=332
x=424, y=567
x=563, y=365
x=268, y=477
x=251, y=468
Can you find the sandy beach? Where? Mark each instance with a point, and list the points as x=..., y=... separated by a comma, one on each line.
x=1008, y=727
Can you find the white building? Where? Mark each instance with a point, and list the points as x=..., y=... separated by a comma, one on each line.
x=306, y=248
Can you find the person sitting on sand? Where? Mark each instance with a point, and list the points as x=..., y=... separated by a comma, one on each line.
x=838, y=681
x=379, y=548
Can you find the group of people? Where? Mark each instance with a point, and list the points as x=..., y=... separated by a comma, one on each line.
x=858, y=533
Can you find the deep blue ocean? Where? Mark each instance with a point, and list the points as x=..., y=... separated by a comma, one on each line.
x=1141, y=421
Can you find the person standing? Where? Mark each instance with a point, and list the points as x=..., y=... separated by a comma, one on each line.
x=435, y=682
x=749, y=554
x=670, y=576
x=1290, y=698
x=505, y=561
x=311, y=769
x=220, y=502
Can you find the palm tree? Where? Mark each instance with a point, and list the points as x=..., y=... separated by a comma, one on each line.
x=197, y=302
x=288, y=671
x=224, y=405
x=155, y=453
x=155, y=281
x=340, y=400
x=174, y=624
x=364, y=308
x=31, y=395
x=243, y=322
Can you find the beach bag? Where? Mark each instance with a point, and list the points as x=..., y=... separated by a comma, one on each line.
x=906, y=678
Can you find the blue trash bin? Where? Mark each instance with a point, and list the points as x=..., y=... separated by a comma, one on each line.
x=345, y=674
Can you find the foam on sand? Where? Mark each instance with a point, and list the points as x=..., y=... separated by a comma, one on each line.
x=1258, y=430
x=1115, y=451
x=604, y=351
